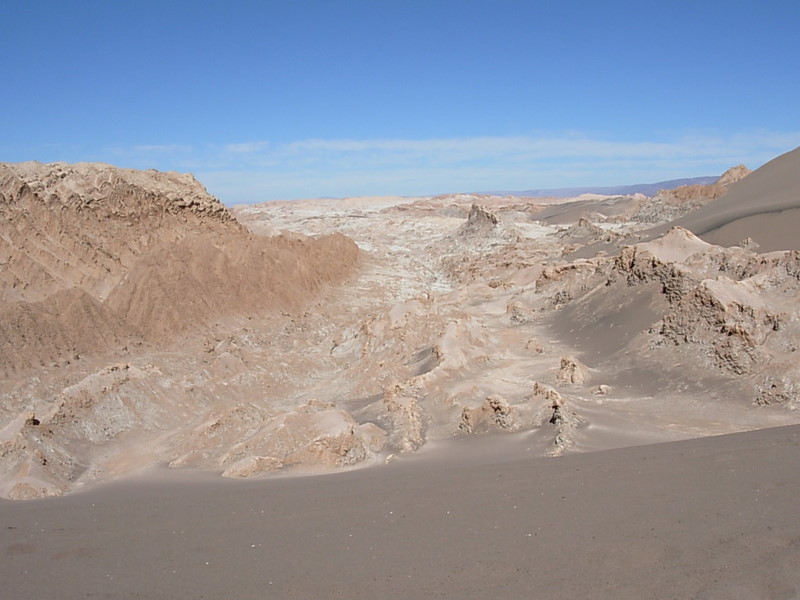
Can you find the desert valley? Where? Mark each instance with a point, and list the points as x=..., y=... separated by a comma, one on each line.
x=355, y=360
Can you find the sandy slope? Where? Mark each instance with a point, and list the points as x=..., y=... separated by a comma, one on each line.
x=763, y=206
x=708, y=518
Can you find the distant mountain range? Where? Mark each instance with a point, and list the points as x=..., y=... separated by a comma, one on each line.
x=648, y=189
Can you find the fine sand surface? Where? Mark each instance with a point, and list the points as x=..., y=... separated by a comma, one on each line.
x=716, y=517
x=763, y=206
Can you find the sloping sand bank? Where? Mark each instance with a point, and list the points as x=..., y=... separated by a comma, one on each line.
x=707, y=518
x=764, y=206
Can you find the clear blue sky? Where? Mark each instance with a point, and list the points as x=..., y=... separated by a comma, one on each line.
x=288, y=99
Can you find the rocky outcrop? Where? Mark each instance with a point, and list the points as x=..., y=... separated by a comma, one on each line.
x=726, y=318
x=246, y=442
x=668, y=205
x=31, y=466
x=141, y=255
x=733, y=175
x=83, y=225
x=560, y=284
x=781, y=387
x=494, y=413
x=109, y=191
x=735, y=308
x=571, y=372
x=585, y=232
x=556, y=414
x=520, y=314
x=407, y=422
x=480, y=221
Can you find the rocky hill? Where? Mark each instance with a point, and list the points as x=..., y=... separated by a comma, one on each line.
x=83, y=226
x=94, y=257
x=103, y=266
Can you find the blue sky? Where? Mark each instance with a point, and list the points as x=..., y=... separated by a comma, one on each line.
x=291, y=99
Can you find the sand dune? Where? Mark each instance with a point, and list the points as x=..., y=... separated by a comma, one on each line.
x=764, y=206
x=706, y=518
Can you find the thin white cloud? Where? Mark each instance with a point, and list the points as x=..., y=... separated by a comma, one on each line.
x=517, y=149
x=256, y=170
x=246, y=147
x=163, y=149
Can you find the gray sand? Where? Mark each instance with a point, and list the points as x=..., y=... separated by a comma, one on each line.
x=708, y=518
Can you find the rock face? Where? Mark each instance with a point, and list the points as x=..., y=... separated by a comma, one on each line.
x=733, y=175
x=84, y=225
x=480, y=221
x=140, y=256
x=245, y=442
x=668, y=205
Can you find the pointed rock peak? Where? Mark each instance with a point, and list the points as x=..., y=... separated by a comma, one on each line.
x=479, y=216
x=733, y=175
x=680, y=233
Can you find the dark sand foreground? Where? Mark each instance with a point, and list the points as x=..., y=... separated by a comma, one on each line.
x=707, y=518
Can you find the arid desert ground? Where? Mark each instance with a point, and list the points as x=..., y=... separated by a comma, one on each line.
x=455, y=396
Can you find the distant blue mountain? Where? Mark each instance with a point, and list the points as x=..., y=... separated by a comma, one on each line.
x=648, y=189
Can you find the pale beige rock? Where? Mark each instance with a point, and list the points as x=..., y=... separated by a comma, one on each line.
x=408, y=421
x=494, y=413
x=252, y=465
x=571, y=371
x=733, y=175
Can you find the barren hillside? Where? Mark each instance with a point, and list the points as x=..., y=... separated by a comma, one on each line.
x=95, y=257
x=103, y=266
x=143, y=325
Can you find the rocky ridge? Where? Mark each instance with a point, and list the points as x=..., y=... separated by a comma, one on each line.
x=104, y=267
x=139, y=255
x=668, y=205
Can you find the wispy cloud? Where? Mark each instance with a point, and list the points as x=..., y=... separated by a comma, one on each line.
x=256, y=170
x=245, y=147
x=163, y=149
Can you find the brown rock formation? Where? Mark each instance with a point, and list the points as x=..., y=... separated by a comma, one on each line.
x=94, y=256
